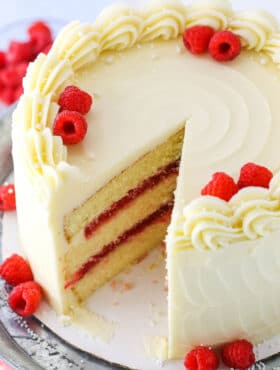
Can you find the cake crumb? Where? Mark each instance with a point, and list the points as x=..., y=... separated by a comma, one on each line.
x=264, y=60
x=128, y=286
x=163, y=249
x=140, y=259
x=178, y=49
x=109, y=59
x=152, y=266
x=120, y=286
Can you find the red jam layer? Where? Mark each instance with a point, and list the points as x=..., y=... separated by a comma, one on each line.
x=160, y=215
x=147, y=184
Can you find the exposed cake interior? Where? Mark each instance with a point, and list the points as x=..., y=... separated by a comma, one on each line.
x=129, y=214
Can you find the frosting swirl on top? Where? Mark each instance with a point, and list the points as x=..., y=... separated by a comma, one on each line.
x=212, y=223
x=214, y=13
x=78, y=43
x=119, y=27
x=272, y=47
x=163, y=20
x=254, y=28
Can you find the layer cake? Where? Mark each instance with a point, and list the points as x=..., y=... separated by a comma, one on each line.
x=89, y=210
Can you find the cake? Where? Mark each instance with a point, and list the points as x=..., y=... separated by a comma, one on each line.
x=161, y=116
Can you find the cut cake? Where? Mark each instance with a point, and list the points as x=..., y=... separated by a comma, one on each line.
x=87, y=211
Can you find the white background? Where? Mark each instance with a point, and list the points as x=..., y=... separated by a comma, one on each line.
x=86, y=10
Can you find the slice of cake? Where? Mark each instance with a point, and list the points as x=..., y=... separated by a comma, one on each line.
x=88, y=210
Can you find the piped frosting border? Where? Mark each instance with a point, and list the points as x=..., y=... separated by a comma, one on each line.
x=210, y=223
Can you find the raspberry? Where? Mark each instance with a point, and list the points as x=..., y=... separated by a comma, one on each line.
x=221, y=186
x=2, y=59
x=7, y=197
x=224, y=46
x=73, y=98
x=196, y=39
x=238, y=354
x=252, y=174
x=25, y=298
x=201, y=358
x=7, y=96
x=5, y=366
x=21, y=69
x=40, y=35
x=71, y=126
x=15, y=270
x=47, y=48
x=12, y=76
x=18, y=91
x=19, y=52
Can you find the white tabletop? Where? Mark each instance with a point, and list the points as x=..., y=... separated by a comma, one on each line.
x=86, y=10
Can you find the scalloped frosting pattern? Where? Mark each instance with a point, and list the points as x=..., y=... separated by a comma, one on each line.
x=117, y=28
x=210, y=223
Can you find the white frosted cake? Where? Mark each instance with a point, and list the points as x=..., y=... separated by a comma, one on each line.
x=87, y=211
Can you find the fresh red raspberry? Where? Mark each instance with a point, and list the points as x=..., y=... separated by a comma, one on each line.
x=15, y=270
x=47, y=48
x=21, y=69
x=7, y=95
x=224, y=46
x=73, y=98
x=25, y=298
x=196, y=39
x=252, y=174
x=12, y=76
x=201, y=358
x=7, y=197
x=71, y=126
x=9, y=77
x=221, y=186
x=238, y=355
x=18, y=92
x=19, y=52
x=2, y=59
x=40, y=35
x=5, y=366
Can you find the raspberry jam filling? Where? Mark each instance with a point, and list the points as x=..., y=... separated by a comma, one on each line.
x=171, y=169
x=161, y=215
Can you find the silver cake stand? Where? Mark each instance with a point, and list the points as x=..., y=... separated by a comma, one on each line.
x=27, y=343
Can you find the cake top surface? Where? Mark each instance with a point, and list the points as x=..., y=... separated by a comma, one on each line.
x=126, y=63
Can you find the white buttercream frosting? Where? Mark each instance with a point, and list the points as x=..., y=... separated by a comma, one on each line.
x=254, y=28
x=119, y=28
x=211, y=223
x=216, y=13
x=165, y=20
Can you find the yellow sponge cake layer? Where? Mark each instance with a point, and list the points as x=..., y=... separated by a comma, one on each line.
x=125, y=218
x=148, y=235
x=119, y=186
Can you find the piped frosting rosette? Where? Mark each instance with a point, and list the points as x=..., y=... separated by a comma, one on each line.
x=210, y=223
